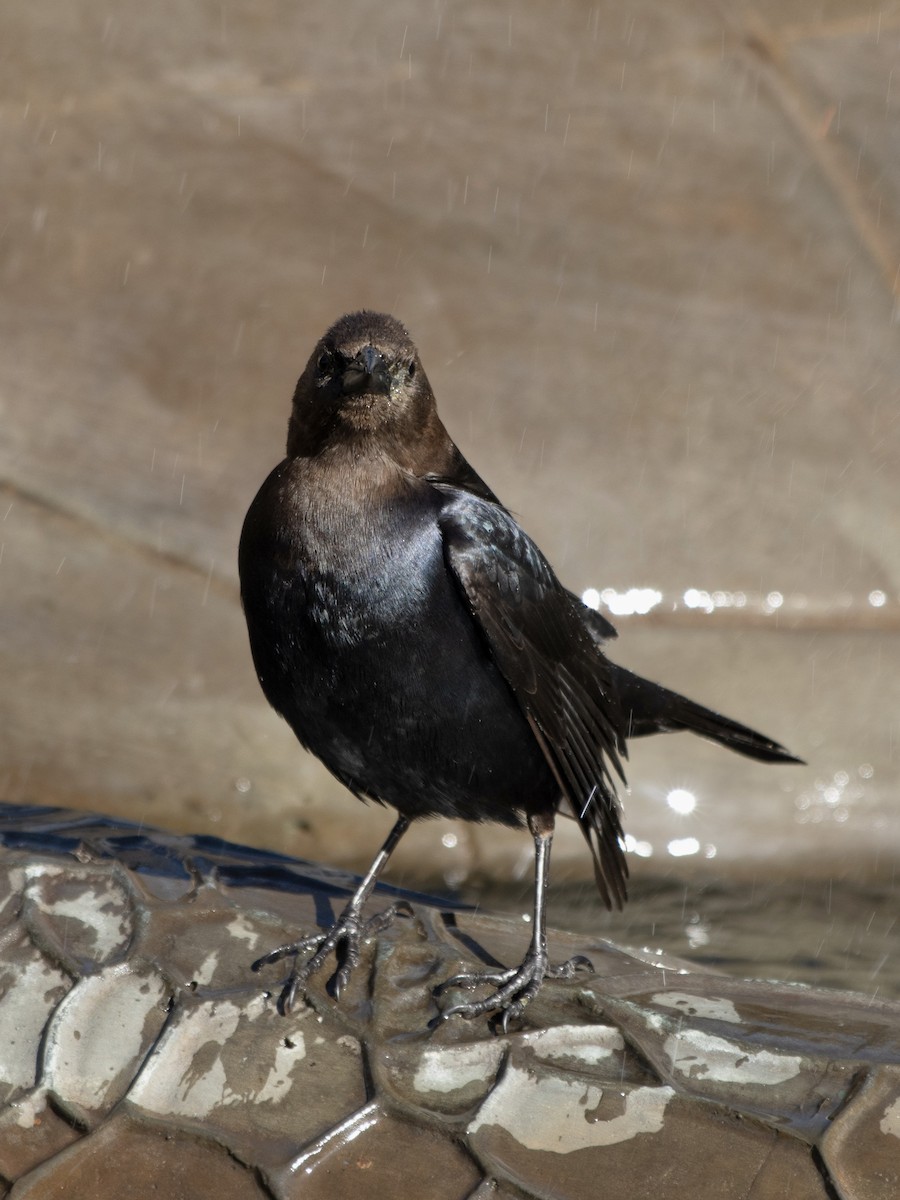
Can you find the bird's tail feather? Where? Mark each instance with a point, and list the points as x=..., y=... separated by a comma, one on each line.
x=650, y=708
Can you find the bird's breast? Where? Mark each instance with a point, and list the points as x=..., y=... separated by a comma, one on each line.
x=363, y=641
x=342, y=559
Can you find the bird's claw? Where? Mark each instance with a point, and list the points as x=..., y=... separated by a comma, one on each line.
x=384, y=919
x=346, y=938
x=515, y=988
x=570, y=968
x=291, y=949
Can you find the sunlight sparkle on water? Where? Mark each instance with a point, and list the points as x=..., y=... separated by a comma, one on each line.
x=694, y=598
x=709, y=601
x=834, y=798
x=697, y=932
x=623, y=604
x=640, y=848
x=681, y=847
x=682, y=801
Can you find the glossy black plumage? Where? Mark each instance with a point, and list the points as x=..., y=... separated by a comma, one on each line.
x=418, y=642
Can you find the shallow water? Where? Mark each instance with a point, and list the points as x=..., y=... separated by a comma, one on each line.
x=833, y=933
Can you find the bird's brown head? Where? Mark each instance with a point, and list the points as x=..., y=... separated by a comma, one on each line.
x=363, y=382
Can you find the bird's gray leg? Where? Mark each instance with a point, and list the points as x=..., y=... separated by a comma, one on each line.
x=516, y=987
x=345, y=936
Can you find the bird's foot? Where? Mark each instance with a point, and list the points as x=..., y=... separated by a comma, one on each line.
x=515, y=987
x=346, y=938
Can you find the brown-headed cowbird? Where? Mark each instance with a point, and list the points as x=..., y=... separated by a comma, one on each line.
x=418, y=642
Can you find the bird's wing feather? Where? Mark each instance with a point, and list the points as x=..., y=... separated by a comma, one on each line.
x=542, y=647
x=460, y=474
x=600, y=629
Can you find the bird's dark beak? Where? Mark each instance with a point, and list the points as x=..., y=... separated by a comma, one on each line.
x=368, y=373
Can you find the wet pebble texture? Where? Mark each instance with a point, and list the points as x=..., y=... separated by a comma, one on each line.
x=139, y=1055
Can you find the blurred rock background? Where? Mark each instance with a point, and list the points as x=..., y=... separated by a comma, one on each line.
x=650, y=256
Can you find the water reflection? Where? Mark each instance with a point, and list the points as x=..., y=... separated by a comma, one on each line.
x=638, y=601
x=833, y=798
x=830, y=932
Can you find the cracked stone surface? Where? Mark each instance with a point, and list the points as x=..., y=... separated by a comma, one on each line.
x=649, y=254
x=139, y=1054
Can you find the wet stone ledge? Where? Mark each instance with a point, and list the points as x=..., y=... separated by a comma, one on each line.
x=140, y=1056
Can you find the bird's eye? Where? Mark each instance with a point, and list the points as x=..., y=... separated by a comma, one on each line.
x=411, y=369
x=325, y=361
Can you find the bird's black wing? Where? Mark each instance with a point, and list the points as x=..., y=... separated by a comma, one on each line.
x=600, y=629
x=463, y=476
x=539, y=641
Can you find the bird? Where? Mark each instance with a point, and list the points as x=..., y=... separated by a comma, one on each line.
x=418, y=642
